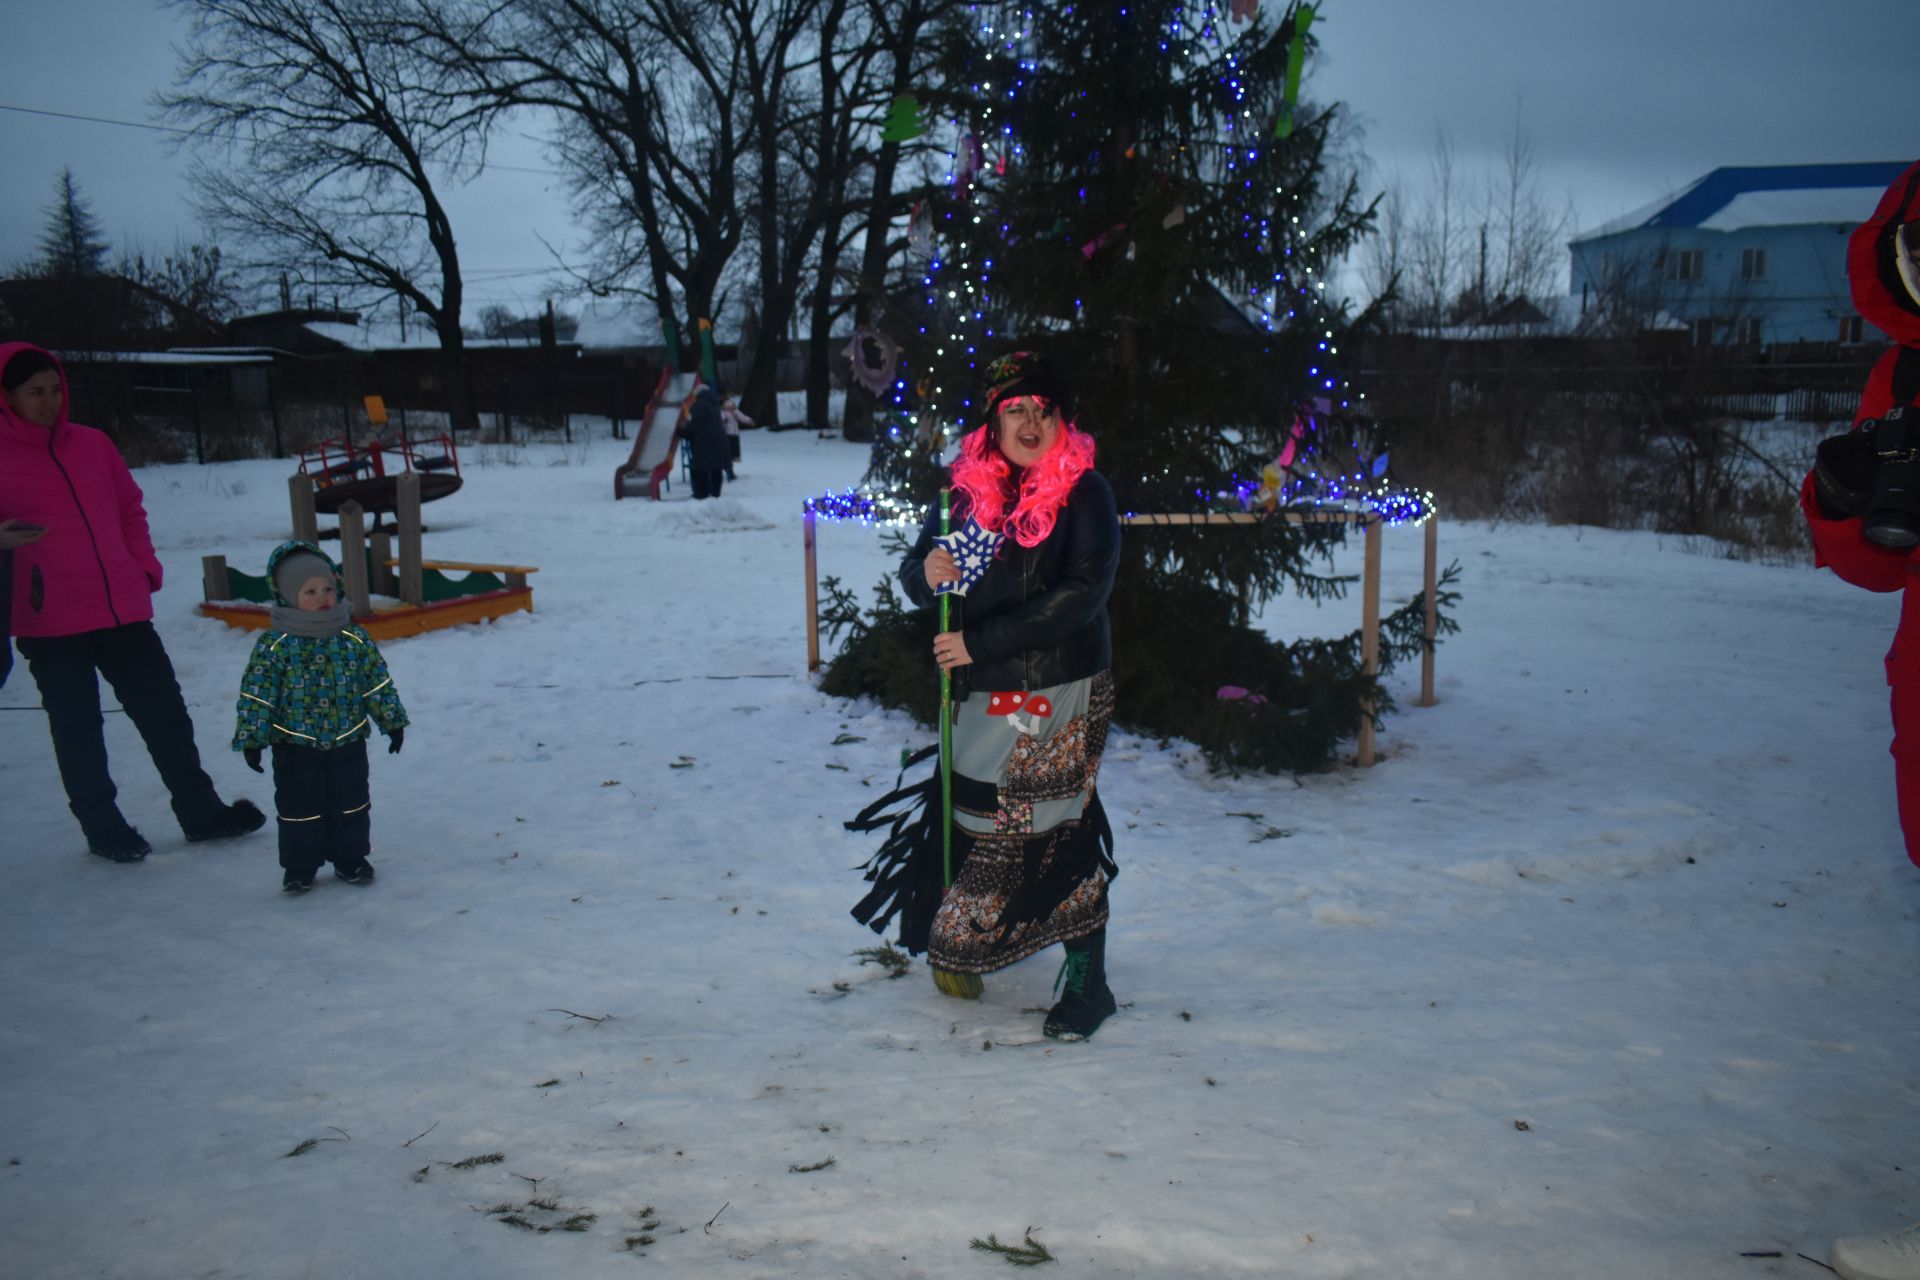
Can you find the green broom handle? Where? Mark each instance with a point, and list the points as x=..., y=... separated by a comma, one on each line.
x=946, y=726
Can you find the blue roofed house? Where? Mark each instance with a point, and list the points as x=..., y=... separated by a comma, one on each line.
x=1748, y=256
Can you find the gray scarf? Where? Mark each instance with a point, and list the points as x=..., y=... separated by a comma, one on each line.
x=314, y=623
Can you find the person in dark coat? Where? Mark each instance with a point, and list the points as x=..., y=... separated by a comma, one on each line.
x=1031, y=655
x=707, y=443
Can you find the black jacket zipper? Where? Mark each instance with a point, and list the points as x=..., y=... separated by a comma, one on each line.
x=93, y=540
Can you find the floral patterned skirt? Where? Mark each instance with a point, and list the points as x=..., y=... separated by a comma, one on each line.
x=1029, y=838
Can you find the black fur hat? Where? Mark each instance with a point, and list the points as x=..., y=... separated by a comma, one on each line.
x=1029, y=373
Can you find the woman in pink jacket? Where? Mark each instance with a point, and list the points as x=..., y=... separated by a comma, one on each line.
x=84, y=574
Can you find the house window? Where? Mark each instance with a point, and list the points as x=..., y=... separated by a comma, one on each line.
x=1703, y=331
x=1753, y=264
x=1685, y=264
x=1851, y=330
x=1750, y=329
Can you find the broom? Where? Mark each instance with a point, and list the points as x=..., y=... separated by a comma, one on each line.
x=967, y=986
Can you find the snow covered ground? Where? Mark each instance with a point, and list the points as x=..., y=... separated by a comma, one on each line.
x=1606, y=969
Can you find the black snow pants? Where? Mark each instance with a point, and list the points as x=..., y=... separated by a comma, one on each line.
x=135, y=664
x=324, y=806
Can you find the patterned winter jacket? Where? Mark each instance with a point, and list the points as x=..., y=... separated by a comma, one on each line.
x=320, y=692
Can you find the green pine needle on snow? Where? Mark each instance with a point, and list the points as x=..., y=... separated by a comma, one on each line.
x=1030, y=1254
x=896, y=961
x=474, y=1162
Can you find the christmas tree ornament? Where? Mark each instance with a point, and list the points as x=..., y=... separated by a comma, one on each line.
x=903, y=120
x=1173, y=219
x=920, y=228
x=1243, y=10
x=1296, y=61
x=875, y=359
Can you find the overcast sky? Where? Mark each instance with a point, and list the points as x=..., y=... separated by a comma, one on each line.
x=1622, y=104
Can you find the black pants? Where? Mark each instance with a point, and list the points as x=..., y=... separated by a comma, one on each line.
x=324, y=806
x=707, y=481
x=135, y=663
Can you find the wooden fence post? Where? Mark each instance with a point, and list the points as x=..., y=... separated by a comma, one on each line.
x=353, y=559
x=382, y=578
x=1369, y=634
x=213, y=578
x=813, y=594
x=1433, y=610
x=306, y=525
x=407, y=492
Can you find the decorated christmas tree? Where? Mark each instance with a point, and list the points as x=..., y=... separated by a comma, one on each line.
x=1140, y=191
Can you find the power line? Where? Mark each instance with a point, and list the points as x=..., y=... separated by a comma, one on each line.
x=167, y=128
x=68, y=115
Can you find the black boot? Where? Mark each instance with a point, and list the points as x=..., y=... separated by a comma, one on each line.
x=225, y=821
x=1088, y=1001
x=111, y=836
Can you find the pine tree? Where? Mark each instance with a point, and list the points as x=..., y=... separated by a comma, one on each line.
x=72, y=244
x=1135, y=193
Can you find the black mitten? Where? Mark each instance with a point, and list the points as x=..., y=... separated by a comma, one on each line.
x=1843, y=470
x=253, y=759
x=394, y=740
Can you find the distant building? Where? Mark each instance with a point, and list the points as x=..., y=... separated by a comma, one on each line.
x=1745, y=256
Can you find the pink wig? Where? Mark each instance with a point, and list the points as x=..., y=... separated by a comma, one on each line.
x=984, y=478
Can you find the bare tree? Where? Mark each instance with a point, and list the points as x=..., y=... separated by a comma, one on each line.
x=1433, y=250
x=1530, y=238
x=337, y=136
x=647, y=97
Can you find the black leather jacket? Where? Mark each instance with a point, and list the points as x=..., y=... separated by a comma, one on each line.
x=1038, y=616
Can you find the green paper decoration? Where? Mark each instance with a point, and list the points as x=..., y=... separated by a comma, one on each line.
x=1296, y=60
x=903, y=120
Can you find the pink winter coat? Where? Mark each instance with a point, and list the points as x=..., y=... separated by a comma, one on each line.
x=95, y=568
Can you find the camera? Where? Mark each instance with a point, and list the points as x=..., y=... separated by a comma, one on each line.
x=1892, y=516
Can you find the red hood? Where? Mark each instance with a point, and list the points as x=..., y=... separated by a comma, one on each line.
x=11, y=421
x=1878, y=292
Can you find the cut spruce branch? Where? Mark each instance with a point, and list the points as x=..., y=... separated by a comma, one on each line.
x=474, y=1162
x=889, y=957
x=1030, y=1254
x=310, y=1143
x=828, y=1163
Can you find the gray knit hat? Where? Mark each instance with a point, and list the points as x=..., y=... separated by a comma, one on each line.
x=295, y=569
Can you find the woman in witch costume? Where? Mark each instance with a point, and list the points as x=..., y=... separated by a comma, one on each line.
x=1029, y=651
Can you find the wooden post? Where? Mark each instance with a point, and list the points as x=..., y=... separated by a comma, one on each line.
x=213, y=578
x=384, y=580
x=1369, y=633
x=353, y=559
x=813, y=594
x=1433, y=610
x=810, y=541
x=407, y=492
x=306, y=525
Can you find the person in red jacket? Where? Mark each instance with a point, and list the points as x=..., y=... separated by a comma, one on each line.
x=1883, y=265
x=84, y=574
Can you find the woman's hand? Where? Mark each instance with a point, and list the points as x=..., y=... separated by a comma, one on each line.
x=940, y=567
x=15, y=534
x=950, y=650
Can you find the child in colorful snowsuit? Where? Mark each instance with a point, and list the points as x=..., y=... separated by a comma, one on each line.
x=313, y=684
